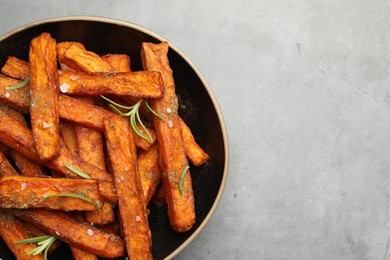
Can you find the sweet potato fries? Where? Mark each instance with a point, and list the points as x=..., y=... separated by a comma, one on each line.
x=70, y=156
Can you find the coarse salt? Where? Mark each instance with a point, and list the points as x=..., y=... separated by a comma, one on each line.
x=170, y=124
x=169, y=110
x=64, y=87
x=47, y=125
x=7, y=95
x=90, y=232
x=74, y=77
x=137, y=218
x=23, y=186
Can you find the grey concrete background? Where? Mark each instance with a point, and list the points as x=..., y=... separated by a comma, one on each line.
x=304, y=89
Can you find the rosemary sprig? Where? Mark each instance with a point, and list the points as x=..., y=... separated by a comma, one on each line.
x=74, y=195
x=181, y=182
x=134, y=116
x=19, y=85
x=77, y=171
x=44, y=243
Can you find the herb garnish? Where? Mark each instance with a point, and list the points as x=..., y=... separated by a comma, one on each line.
x=19, y=85
x=74, y=195
x=181, y=182
x=44, y=243
x=77, y=171
x=134, y=116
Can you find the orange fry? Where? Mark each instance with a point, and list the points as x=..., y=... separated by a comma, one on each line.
x=68, y=135
x=181, y=208
x=74, y=55
x=16, y=68
x=44, y=92
x=32, y=192
x=193, y=151
x=149, y=171
x=120, y=62
x=132, y=209
x=18, y=99
x=137, y=84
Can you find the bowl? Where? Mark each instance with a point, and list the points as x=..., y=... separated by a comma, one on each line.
x=199, y=109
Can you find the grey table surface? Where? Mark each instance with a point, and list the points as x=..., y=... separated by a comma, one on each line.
x=304, y=89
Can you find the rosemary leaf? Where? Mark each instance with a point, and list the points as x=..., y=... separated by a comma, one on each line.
x=19, y=85
x=74, y=195
x=52, y=240
x=32, y=240
x=181, y=182
x=77, y=171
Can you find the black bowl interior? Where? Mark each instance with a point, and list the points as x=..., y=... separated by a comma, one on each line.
x=196, y=108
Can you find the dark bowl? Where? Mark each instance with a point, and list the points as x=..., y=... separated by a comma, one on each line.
x=199, y=108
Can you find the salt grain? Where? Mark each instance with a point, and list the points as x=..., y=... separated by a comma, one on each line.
x=23, y=186
x=47, y=125
x=169, y=110
x=64, y=87
x=170, y=124
x=137, y=218
x=90, y=232
x=7, y=95
x=74, y=77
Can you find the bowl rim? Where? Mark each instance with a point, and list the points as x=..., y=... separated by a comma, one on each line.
x=198, y=73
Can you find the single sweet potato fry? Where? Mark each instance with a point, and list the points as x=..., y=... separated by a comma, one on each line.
x=12, y=231
x=74, y=55
x=68, y=135
x=149, y=171
x=33, y=192
x=137, y=84
x=132, y=209
x=180, y=199
x=44, y=96
x=79, y=234
x=120, y=62
x=193, y=151
x=16, y=68
x=19, y=98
